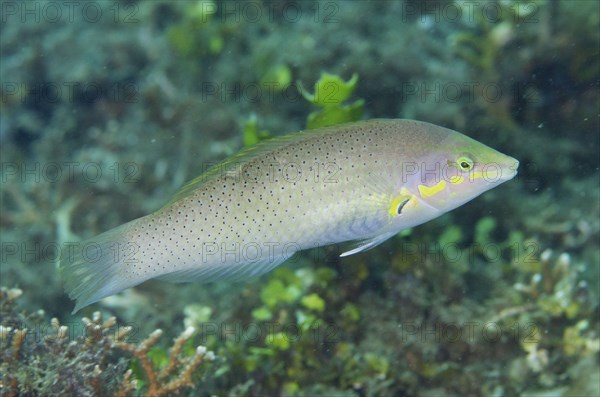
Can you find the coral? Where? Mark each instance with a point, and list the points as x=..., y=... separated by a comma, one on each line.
x=554, y=313
x=177, y=373
x=89, y=360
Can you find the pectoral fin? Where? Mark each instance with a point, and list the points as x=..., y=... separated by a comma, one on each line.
x=369, y=243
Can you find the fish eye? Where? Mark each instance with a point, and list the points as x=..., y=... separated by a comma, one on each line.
x=464, y=163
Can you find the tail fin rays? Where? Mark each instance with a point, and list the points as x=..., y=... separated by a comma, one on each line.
x=92, y=270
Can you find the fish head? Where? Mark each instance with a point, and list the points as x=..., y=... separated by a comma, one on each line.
x=457, y=170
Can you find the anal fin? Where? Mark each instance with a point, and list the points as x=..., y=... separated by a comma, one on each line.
x=224, y=271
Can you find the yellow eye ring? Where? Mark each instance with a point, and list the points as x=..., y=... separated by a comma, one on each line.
x=464, y=163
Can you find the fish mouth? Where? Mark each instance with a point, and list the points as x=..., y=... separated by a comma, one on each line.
x=510, y=170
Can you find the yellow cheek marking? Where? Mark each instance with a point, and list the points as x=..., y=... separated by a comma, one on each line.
x=456, y=179
x=488, y=175
x=427, y=191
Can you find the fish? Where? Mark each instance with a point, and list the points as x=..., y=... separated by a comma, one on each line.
x=360, y=182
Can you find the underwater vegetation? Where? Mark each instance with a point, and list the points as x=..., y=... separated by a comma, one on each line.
x=330, y=93
x=498, y=298
x=307, y=320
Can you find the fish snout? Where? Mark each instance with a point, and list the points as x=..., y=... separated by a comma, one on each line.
x=510, y=170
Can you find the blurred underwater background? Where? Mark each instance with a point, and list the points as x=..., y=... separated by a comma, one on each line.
x=109, y=107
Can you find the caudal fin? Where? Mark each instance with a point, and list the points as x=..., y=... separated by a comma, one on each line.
x=93, y=269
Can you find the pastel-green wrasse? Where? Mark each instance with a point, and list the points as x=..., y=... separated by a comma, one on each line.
x=361, y=182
